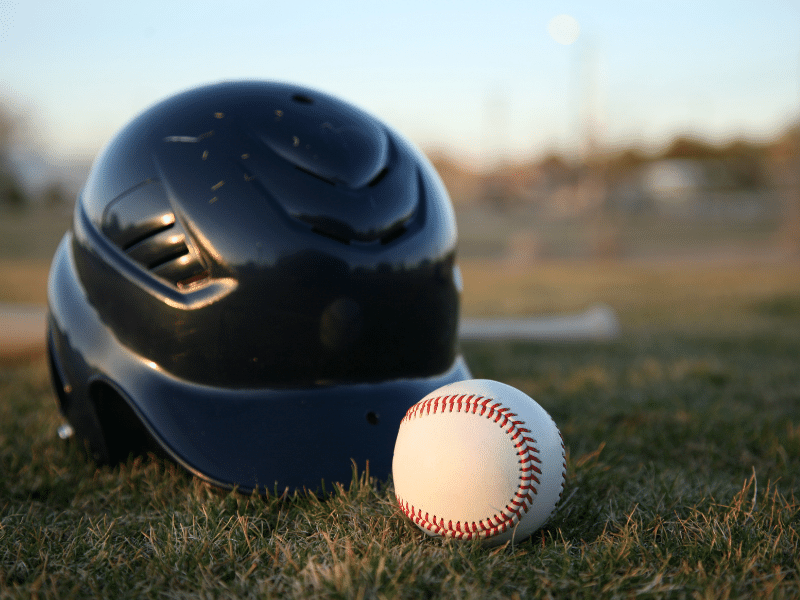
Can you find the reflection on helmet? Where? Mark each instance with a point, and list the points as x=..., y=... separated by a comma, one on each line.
x=260, y=279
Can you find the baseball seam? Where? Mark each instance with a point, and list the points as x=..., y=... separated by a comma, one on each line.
x=525, y=448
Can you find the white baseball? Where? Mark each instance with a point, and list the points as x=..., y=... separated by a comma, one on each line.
x=478, y=458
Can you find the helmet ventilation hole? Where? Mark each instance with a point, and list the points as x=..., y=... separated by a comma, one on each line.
x=148, y=233
x=180, y=250
x=302, y=99
x=373, y=418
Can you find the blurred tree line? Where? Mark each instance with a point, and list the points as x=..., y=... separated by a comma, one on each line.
x=12, y=194
x=739, y=164
x=736, y=165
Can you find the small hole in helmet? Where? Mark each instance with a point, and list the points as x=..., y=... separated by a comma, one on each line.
x=373, y=418
x=302, y=99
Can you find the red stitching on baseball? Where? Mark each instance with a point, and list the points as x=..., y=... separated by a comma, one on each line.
x=523, y=497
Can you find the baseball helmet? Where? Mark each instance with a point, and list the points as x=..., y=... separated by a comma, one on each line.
x=259, y=280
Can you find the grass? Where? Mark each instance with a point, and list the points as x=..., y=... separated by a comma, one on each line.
x=28, y=240
x=684, y=459
x=681, y=296
x=34, y=232
x=683, y=477
x=683, y=442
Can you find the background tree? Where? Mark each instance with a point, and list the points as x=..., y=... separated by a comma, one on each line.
x=11, y=193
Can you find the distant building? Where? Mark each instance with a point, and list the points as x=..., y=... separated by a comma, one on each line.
x=674, y=181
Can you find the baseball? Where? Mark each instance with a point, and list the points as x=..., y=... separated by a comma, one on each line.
x=481, y=459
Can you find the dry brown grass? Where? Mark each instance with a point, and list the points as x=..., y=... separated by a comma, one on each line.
x=685, y=295
x=24, y=280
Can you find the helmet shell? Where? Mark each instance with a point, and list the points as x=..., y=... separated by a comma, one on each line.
x=247, y=260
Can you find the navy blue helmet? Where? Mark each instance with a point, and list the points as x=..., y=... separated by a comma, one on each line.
x=260, y=280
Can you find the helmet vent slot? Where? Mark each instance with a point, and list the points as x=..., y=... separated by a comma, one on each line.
x=146, y=234
x=165, y=253
x=302, y=99
x=161, y=246
x=142, y=225
x=181, y=250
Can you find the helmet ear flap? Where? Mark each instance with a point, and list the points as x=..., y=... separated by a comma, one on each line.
x=123, y=433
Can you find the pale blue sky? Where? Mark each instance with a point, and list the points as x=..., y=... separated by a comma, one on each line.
x=481, y=78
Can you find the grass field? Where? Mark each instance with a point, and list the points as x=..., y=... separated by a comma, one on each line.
x=683, y=440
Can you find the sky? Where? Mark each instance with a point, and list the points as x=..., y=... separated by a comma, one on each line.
x=484, y=81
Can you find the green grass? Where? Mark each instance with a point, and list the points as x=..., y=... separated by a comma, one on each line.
x=683, y=442
x=683, y=476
